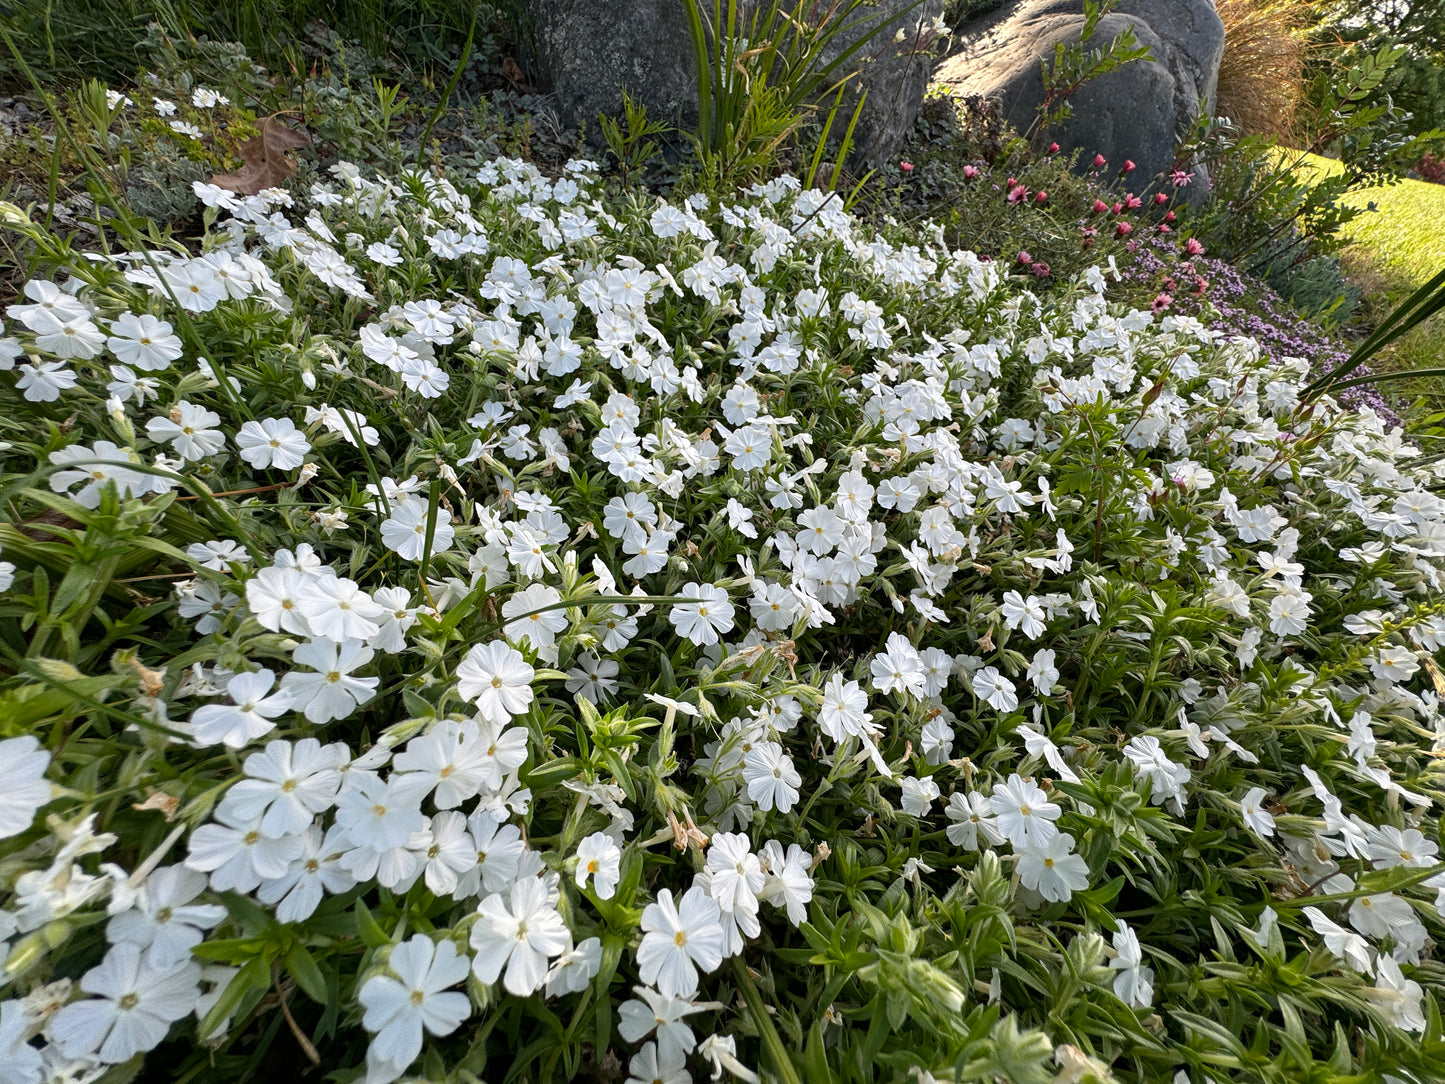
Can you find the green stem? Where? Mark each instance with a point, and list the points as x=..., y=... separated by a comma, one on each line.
x=769, y=1034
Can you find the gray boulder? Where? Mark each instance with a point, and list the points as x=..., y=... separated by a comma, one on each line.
x=586, y=52
x=1136, y=112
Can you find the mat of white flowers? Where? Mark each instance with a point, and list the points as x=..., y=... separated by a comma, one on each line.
x=477, y=628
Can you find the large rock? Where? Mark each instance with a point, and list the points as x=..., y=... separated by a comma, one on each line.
x=1136, y=112
x=586, y=52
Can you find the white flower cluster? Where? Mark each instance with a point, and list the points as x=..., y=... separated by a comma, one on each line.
x=873, y=532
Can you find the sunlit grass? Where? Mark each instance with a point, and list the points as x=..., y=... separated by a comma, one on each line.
x=1394, y=250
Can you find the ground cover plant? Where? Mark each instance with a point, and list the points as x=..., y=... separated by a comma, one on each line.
x=472, y=627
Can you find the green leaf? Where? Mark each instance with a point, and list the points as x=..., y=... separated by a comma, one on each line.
x=303, y=968
x=368, y=929
x=254, y=975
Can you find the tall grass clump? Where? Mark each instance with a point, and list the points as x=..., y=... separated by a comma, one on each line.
x=1261, y=78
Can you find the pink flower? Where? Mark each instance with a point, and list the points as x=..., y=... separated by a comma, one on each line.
x=1053, y=148
x=1041, y=196
x=1200, y=285
x=1018, y=193
x=1118, y=208
x=1163, y=228
x=1100, y=161
x=1180, y=178
x=1170, y=217
x=906, y=167
x=1025, y=258
x=970, y=172
x=1123, y=229
x=1160, y=199
x=1193, y=247
x=1129, y=166
x=1100, y=206
x=1041, y=269
x=1160, y=303
x=1132, y=202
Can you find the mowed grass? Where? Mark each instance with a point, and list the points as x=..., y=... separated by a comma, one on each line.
x=1394, y=250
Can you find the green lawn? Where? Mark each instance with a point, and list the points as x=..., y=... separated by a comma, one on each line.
x=1395, y=250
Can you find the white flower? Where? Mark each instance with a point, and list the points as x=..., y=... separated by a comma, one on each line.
x=936, y=741
x=23, y=786
x=918, y=795
x=330, y=692
x=399, y=1009
x=1394, y=664
x=1382, y=915
x=287, y=785
x=312, y=873
x=272, y=442
x=524, y=622
x=44, y=381
x=899, y=668
x=788, y=882
x=1042, y=672
x=636, y=1019
x=1398, y=998
x=378, y=817
x=770, y=777
x=1134, y=984
x=75, y=338
x=498, y=679
x=20, y=1063
x=575, y=969
x=499, y=854
x=996, y=690
x=405, y=532
x=134, y=1006
x=1024, y=614
x=737, y=873
x=337, y=609
x=594, y=678
x=650, y=1066
x=1167, y=779
x=844, y=710
x=1256, y=818
x=206, y=98
x=189, y=429
x=703, y=619
x=237, y=854
x=599, y=859
x=678, y=939
x=519, y=932
x=1349, y=947
x=1024, y=813
x=972, y=816
x=251, y=714
x=144, y=342
x=165, y=920
x=1052, y=869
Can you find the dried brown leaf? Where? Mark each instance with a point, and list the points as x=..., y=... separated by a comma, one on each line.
x=265, y=156
x=514, y=74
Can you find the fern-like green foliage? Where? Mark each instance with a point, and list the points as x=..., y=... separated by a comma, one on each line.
x=1071, y=66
